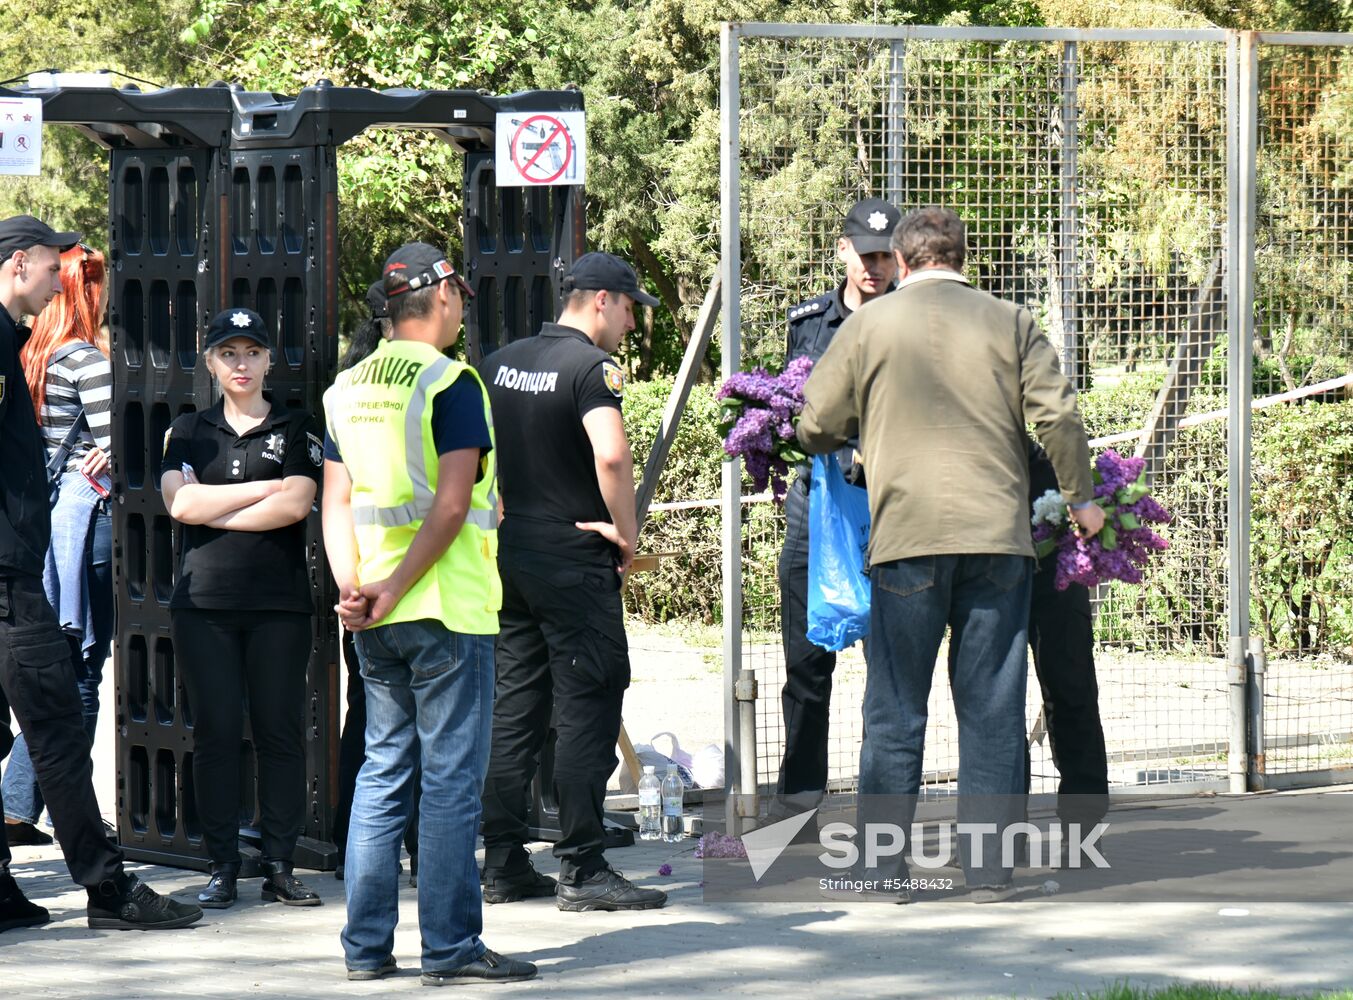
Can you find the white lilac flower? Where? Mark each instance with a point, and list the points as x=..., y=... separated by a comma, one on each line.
x=1050, y=508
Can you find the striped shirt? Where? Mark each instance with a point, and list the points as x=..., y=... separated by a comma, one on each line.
x=82, y=378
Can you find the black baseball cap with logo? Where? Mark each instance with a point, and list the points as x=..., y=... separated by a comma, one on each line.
x=870, y=224
x=22, y=232
x=604, y=272
x=418, y=265
x=231, y=323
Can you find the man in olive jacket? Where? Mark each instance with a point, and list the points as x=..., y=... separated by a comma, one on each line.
x=938, y=380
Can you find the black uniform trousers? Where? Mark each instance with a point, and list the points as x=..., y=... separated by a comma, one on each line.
x=806, y=698
x=561, y=651
x=37, y=681
x=1061, y=635
x=224, y=656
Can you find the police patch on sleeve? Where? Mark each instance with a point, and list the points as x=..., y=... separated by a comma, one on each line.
x=614, y=378
x=315, y=449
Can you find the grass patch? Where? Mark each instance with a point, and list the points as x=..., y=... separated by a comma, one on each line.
x=1192, y=991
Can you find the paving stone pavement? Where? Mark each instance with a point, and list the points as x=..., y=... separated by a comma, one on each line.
x=690, y=948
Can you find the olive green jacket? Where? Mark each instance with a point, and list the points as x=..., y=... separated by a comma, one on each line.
x=939, y=381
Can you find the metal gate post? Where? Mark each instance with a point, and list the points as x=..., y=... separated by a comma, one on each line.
x=741, y=801
x=1242, y=100
x=1068, y=229
x=897, y=119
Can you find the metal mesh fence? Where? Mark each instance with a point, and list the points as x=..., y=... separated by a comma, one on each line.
x=1093, y=178
x=1303, y=464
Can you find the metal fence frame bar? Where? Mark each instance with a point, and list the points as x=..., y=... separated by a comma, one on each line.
x=889, y=32
x=1242, y=100
x=730, y=273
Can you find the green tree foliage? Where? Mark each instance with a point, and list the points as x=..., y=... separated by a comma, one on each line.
x=137, y=38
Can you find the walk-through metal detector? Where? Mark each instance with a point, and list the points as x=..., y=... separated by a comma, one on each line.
x=221, y=197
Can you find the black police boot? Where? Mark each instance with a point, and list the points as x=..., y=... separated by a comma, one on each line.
x=607, y=889
x=220, y=892
x=129, y=904
x=507, y=885
x=286, y=887
x=15, y=909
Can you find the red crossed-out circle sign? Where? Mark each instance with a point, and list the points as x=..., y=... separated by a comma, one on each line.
x=527, y=161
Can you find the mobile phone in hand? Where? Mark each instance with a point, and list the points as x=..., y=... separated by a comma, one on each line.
x=102, y=485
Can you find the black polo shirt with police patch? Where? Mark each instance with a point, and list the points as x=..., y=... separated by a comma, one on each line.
x=539, y=389
x=224, y=570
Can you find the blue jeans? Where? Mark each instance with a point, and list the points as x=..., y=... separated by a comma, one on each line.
x=984, y=600
x=429, y=699
x=79, y=586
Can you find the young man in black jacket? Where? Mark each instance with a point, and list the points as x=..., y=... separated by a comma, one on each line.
x=37, y=674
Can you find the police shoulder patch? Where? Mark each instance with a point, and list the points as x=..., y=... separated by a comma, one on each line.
x=807, y=308
x=315, y=449
x=613, y=377
x=2, y=388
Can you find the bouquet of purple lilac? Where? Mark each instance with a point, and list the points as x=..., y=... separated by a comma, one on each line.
x=760, y=410
x=1125, y=543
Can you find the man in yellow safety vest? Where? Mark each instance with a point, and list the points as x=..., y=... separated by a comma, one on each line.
x=410, y=528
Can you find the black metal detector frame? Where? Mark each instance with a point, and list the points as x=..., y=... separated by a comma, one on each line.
x=221, y=197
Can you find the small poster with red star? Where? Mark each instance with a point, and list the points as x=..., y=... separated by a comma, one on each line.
x=20, y=135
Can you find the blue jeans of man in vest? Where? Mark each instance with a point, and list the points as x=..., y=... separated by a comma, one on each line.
x=429, y=697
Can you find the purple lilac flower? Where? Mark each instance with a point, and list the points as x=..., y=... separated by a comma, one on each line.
x=1117, y=471
x=763, y=434
x=664, y=870
x=718, y=845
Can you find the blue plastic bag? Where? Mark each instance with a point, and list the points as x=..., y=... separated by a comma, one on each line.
x=838, y=544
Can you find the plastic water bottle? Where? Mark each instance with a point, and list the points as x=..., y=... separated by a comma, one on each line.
x=672, y=805
x=650, y=805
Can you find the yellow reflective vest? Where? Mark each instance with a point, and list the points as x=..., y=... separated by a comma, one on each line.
x=379, y=413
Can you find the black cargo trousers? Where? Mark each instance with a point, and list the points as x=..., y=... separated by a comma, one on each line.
x=561, y=652
x=37, y=682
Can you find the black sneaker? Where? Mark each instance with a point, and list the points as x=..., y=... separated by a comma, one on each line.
x=489, y=967
x=502, y=886
x=15, y=909
x=607, y=889
x=138, y=907
x=25, y=835
x=388, y=968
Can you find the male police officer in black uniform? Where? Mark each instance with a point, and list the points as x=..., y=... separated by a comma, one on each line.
x=1062, y=637
x=567, y=536
x=37, y=669
x=806, y=700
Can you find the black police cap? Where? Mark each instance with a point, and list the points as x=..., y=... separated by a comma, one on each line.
x=870, y=225
x=418, y=265
x=22, y=232
x=604, y=272
x=377, y=301
x=231, y=323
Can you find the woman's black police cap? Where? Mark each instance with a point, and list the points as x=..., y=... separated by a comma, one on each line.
x=870, y=224
x=377, y=301
x=232, y=323
x=604, y=272
x=418, y=265
x=23, y=232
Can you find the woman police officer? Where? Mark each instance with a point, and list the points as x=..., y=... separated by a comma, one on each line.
x=241, y=478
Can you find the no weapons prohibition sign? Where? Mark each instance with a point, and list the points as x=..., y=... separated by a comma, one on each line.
x=540, y=148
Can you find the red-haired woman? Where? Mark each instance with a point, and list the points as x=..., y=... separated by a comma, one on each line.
x=66, y=366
